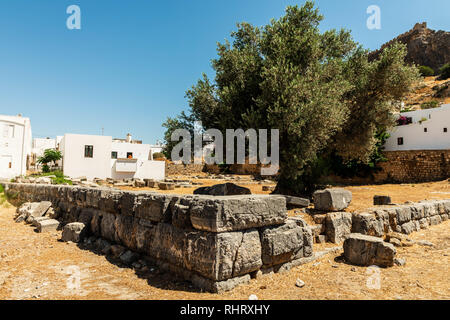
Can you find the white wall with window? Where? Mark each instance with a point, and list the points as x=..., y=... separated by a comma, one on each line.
x=102, y=157
x=15, y=145
x=429, y=130
x=86, y=156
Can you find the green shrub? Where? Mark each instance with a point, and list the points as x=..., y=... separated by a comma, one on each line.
x=426, y=71
x=444, y=72
x=430, y=104
x=158, y=155
x=1, y=189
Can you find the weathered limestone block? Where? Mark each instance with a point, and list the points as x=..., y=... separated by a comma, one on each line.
x=368, y=224
x=281, y=243
x=125, y=230
x=166, y=186
x=367, y=250
x=403, y=214
x=180, y=217
x=47, y=225
x=214, y=256
x=307, y=242
x=383, y=217
x=332, y=199
x=423, y=223
x=41, y=209
x=297, y=202
x=74, y=232
x=338, y=226
x=231, y=213
x=381, y=200
x=444, y=217
x=435, y=220
x=417, y=211
x=108, y=226
x=408, y=227
x=110, y=201
x=153, y=207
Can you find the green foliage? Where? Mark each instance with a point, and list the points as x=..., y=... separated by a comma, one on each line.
x=158, y=155
x=318, y=89
x=59, y=178
x=2, y=190
x=426, y=71
x=444, y=72
x=430, y=105
x=50, y=156
x=181, y=121
x=45, y=168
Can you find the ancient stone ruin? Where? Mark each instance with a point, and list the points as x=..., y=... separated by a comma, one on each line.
x=214, y=242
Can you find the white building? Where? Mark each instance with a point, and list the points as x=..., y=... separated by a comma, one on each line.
x=427, y=130
x=103, y=157
x=42, y=144
x=15, y=145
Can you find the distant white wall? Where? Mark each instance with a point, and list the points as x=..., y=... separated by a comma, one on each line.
x=41, y=144
x=75, y=164
x=15, y=145
x=143, y=166
x=414, y=135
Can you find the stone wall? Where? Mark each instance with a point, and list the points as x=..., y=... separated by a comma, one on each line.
x=383, y=220
x=214, y=242
x=173, y=169
x=415, y=166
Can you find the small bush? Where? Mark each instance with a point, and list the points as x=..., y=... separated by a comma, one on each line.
x=1, y=189
x=426, y=71
x=430, y=104
x=444, y=72
x=158, y=155
x=45, y=168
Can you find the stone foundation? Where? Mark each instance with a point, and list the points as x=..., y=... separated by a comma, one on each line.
x=214, y=242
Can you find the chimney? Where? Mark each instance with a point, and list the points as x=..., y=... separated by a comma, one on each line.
x=129, y=138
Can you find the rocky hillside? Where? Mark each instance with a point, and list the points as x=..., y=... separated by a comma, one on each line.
x=426, y=47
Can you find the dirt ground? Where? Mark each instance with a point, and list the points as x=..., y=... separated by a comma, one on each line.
x=38, y=266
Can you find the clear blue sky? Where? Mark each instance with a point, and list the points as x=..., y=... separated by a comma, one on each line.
x=129, y=66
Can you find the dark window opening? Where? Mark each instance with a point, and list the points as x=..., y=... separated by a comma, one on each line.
x=88, y=151
x=425, y=129
x=400, y=141
x=445, y=129
x=129, y=155
x=10, y=165
x=114, y=155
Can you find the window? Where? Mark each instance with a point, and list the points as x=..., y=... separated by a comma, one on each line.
x=400, y=141
x=445, y=129
x=10, y=165
x=114, y=155
x=425, y=129
x=88, y=151
x=129, y=155
x=8, y=131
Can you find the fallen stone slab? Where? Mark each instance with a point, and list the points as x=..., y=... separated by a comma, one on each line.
x=166, y=186
x=338, y=226
x=381, y=200
x=332, y=199
x=225, y=189
x=47, y=225
x=297, y=202
x=35, y=221
x=366, y=250
x=74, y=232
x=41, y=209
x=281, y=244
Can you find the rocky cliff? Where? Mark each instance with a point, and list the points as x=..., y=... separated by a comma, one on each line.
x=425, y=46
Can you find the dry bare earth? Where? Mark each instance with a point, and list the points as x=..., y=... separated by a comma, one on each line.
x=38, y=266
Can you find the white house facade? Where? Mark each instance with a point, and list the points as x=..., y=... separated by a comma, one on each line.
x=102, y=157
x=15, y=145
x=427, y=129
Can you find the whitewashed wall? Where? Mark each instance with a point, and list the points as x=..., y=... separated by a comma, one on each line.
x=15, y=145
x=414, y=135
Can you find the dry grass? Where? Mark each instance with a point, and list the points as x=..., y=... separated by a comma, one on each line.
x=34, y=266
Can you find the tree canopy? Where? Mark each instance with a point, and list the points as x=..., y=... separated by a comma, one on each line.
x=318, y=89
